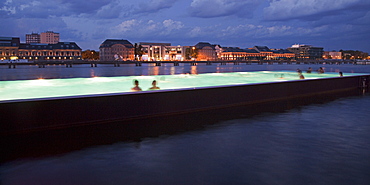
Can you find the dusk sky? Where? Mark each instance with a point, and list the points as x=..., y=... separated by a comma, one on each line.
x=332, y=24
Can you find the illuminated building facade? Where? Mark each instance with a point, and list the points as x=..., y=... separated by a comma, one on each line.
x=116, y=50
x=156, y=51
x=332, y=55
x=49, y=37
x=282, y=54
x=175, y=53
x=33, y=38
x=61, y=51
x=235, y=53
x=9, y=48
x=12, y=49
x=255, y=53
x=304, y=52
x=206, y=51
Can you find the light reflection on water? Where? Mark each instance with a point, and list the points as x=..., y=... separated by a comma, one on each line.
x=85, y=71
x=316, y=144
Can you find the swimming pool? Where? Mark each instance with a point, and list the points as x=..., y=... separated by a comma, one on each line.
x=43, y=105
x=48, y=88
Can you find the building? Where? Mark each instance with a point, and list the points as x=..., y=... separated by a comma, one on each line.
x=9, y=48
x=155, y=51
x=175, y=53
x=255, y=53
x=62, y=51
x=236, y=53
x=206, y=51
x=33, y=38
x=282, y=54
x=149, y=51
x=307, y=52
x=264, y=52
x=333, y=55
x=49, y=37
x=116, y=49
x=12, y=49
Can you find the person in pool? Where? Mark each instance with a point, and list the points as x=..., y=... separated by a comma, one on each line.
x=136, y=88
x=154, y=85
x=320, y=70
x=309, y=70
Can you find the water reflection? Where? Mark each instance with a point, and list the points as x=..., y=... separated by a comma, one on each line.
x=85, y=71
x=154, y=71
x=92, y=73
x=193, y=70
x=316, y=144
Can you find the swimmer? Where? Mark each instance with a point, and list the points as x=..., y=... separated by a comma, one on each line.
x=154, y=84
x=299, y=71
x=320, y=70
x=136, y=88
x=309, y=70
x=340, y=73
x=301, y=76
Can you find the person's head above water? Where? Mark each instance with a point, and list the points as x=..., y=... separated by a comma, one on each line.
x=136, y=88
x=154, y=84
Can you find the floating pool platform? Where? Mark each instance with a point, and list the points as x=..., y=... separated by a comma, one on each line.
x=80, y=108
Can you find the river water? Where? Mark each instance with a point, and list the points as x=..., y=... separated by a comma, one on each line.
x=326, y=143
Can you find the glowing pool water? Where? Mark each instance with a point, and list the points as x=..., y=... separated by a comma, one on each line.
x=43, y=105
x=46, y=88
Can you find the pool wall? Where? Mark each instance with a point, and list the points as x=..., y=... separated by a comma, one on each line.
x=27, y=116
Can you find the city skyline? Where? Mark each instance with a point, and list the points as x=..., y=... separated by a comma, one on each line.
x=331, y=24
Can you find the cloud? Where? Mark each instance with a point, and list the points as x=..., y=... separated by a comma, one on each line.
x=204, y=32
x=112, y=10
x=365, y=20
x=309, y=9
x=47, y=8
x=29, y=9
x=84, y=6
x=129, y=25
x=135, y=28
x=154, y=6
x=170, y=24
x=225, y=22
x=20, y=27
x=219, y=8
x=259, y=31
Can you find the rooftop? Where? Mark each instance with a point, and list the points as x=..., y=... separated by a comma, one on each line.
x=111, y=42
